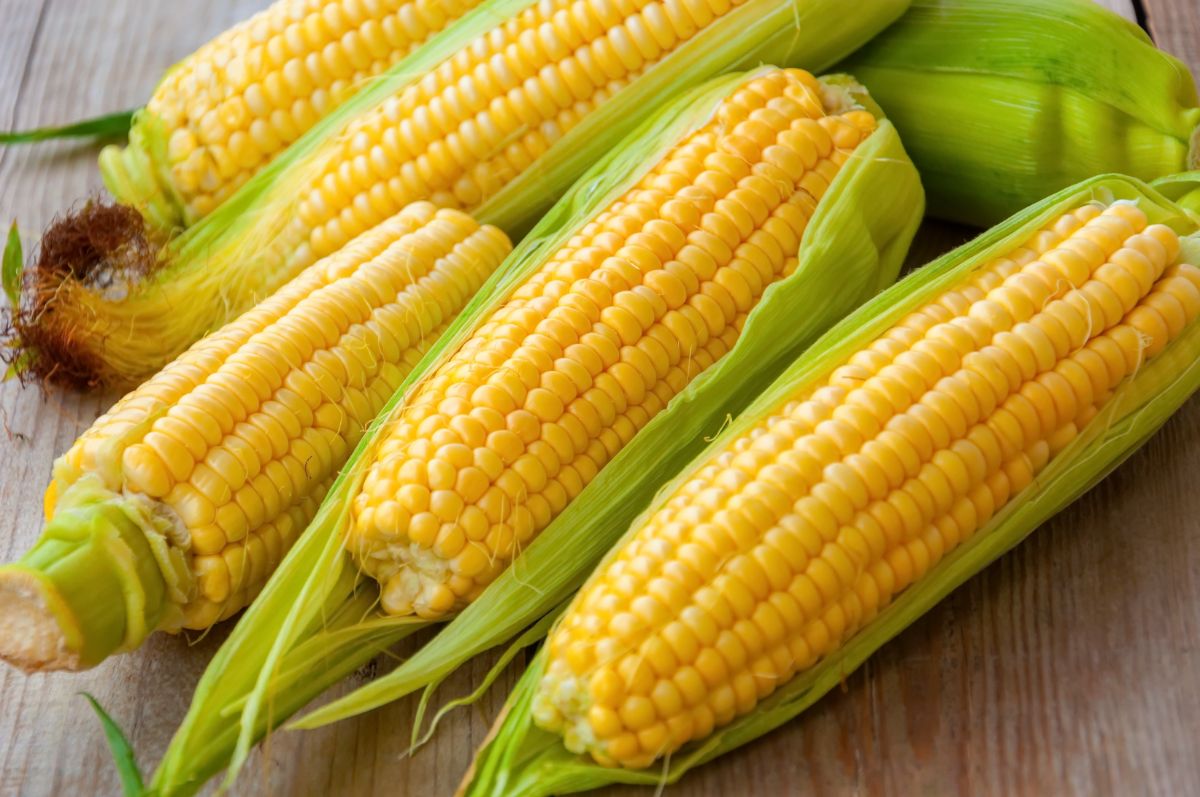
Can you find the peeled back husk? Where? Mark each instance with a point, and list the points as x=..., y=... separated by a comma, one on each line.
x=521, y=760
x=1003, y=102
x=283, y=651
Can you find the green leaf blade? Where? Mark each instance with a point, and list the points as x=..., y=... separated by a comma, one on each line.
x=122, y=751
x=13, y=265
x=109, y=125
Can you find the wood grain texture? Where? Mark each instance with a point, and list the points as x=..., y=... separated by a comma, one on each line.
x=1174, y=25
x=1072, y=666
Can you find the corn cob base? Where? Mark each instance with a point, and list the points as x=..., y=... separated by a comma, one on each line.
x=30, y=611
x=107, y=570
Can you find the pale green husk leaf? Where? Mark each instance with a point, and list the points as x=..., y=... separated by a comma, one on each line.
x=1183, y=189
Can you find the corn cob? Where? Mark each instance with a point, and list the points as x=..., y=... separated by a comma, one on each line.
x=796, y=533
x=1003, y=102
x=496, y=117
x=225, y=111
x=613, y=330
x=207, y=473
x=919, y=440
x=648, y=295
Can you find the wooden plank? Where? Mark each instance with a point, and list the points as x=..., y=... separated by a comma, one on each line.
x=1174, y=24
x=1125, y=8
x=1069, y=667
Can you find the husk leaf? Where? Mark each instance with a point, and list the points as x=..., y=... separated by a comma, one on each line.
x=1183, y=189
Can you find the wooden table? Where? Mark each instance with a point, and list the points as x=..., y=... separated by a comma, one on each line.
x=1072, y=666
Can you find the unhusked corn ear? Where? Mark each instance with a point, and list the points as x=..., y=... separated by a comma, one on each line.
x=225, y=111
x=1004, y=102
x=238, y=440
x=789, y=539
x=643, y=298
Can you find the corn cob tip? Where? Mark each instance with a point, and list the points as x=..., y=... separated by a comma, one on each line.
x=100, y=247
x=32, y=634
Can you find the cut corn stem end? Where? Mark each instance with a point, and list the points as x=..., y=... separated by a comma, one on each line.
x=37, y=628
x=89, y=588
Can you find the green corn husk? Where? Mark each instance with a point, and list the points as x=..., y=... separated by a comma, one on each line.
x=69, y=332
x=521, y=760
x=1183, y=189
x=1003, y=102
x=282, y=653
